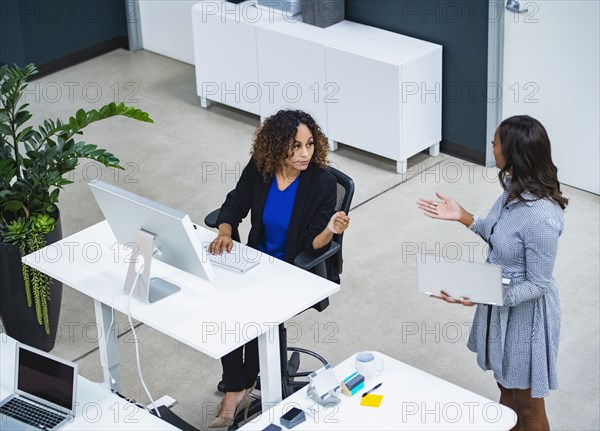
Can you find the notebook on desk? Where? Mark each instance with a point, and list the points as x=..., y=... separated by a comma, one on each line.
x=44, y=392
x=479, y=282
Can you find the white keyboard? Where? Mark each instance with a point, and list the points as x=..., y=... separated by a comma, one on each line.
x=235, y=260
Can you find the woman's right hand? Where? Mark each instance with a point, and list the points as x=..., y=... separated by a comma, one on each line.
x=221, y=243
x=338, y=222
x=445, y=209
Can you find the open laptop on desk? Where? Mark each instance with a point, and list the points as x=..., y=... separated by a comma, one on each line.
x=44, y=392
x=479, y=282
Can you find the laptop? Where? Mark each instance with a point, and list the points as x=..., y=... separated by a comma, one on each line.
x=44, y=394
x=479, y=282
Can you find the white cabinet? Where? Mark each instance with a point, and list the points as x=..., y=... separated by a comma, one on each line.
x=292, y=68
x=368, y=88
x=389, y=98
x=226, y=59
x=365, y=112
x=166, y=27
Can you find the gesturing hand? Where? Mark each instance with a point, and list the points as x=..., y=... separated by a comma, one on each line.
x=339, y=222
x=446, y=209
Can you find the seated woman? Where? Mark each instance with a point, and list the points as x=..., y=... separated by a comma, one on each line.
x=291, y=197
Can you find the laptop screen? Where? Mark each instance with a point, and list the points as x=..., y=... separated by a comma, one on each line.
x=45, y=378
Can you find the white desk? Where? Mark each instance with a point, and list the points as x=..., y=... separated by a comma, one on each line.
x=97, y=408
x=212, y=317
x=412, y=400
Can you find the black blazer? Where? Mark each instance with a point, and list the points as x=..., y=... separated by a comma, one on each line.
x=313, y=207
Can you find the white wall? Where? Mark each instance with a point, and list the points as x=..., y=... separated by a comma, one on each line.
x=167, y=28
x=551, y=72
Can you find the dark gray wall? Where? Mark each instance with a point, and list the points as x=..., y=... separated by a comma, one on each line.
x=58, y=33
x=461, y=28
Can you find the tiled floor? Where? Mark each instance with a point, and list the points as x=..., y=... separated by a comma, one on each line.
x=190, y=157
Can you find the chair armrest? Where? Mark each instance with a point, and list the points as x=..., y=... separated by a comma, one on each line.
x=308, y=261
x=211, y=219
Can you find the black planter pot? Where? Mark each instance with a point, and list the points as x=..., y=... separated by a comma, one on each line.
x=18, y=319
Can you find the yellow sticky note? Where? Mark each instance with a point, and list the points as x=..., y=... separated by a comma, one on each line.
x=371, y=400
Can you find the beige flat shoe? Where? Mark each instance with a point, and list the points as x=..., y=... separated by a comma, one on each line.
x=222, y=422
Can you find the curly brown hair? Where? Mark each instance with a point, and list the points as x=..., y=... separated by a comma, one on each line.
x=273, y=141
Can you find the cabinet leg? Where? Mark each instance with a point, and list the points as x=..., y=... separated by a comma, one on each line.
x=434, y=150
x=401, y=166
x=204, y=102
x=333, y=145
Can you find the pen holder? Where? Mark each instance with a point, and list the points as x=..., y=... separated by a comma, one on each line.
x=352, y=384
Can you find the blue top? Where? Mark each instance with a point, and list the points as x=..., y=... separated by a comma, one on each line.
x=276, y=218
x=522, y=340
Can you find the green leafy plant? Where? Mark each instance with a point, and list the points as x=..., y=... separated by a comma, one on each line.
x=34, y=161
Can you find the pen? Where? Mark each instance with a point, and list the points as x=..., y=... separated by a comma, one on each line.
x=372, y=389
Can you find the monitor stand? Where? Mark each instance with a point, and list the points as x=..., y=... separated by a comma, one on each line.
x=160, y=288
x=148, y=290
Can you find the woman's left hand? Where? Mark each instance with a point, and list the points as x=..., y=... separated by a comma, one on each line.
x=445, y=297
x=339, y=222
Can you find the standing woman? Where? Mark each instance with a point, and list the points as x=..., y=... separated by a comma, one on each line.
x=518, y=341
x=291, y=197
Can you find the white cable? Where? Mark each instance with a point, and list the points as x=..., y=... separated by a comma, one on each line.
x=112, y=321
x=139, y=270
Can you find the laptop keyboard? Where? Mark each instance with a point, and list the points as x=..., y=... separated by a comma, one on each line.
x=31, y=414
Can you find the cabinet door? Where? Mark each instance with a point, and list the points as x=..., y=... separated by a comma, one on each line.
x=225, y=56
x=167, y=28
x=363, y=111
x=421, y=103
x=292, y=74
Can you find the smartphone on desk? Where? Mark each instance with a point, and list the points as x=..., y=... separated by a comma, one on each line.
x=292, y=417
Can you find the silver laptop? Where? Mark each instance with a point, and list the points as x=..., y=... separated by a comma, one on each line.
x=479, y=282
x=44, y=395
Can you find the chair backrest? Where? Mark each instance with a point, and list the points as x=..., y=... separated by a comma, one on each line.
x=345, y=190
x=345, y=193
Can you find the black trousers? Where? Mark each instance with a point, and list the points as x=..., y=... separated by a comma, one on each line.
x=241, y=367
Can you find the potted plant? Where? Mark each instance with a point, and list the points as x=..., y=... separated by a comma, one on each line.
x=34, y=161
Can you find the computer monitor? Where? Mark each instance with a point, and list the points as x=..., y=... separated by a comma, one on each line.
x=151, y=229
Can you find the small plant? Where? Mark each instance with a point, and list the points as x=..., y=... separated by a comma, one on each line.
x=34, y=161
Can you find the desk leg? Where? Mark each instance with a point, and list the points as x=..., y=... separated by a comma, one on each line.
x=107, y=341
x=270, y=368
x=434, y=150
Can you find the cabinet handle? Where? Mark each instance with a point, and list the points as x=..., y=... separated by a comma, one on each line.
x=514, y=6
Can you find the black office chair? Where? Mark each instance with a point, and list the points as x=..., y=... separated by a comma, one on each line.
x=326, y=265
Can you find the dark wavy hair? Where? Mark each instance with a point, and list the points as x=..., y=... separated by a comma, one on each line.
x=526, y=149
x=273, y=141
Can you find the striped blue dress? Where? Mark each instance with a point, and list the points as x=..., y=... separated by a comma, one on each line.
x=519, y=340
